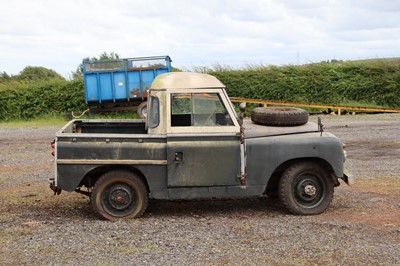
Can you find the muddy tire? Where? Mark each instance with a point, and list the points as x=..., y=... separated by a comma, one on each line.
x=120, y=195
x=306, y=188
x=142, y=110
x=272, y=116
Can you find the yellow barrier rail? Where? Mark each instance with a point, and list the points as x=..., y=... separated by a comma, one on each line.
x=320, y=106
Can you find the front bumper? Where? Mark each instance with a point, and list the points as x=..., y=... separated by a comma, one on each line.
x=348, y=177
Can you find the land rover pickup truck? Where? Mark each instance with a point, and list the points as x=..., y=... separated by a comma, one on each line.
x=194, y=145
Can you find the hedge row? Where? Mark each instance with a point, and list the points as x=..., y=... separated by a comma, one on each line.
x=29, y=100
x=374, y=82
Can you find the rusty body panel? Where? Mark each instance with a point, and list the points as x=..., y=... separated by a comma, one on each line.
x=136, y=93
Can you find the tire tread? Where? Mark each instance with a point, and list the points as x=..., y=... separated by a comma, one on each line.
x=123, y=174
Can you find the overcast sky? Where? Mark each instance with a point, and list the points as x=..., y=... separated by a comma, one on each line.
x=58, y=34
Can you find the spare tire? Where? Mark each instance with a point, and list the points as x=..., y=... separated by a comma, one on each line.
x=275, y=116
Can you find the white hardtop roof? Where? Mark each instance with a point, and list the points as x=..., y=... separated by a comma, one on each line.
x=185, y=80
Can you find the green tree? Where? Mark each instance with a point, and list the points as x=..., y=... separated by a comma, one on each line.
x=34, y=73
x=4, y=77
x=107, y=56
x=78, y=73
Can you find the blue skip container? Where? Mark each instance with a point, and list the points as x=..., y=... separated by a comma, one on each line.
x=121, y=80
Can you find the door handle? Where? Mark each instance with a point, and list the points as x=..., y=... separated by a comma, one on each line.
x=178, y=157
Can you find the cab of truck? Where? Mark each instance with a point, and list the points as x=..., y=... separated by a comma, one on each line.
x=177, y=107
x=202, y=129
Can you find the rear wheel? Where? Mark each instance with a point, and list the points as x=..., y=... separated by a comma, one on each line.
x=120, y=195
x=142, y=110
x=306, y=188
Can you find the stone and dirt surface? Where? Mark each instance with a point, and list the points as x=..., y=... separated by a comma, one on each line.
x=361, y=226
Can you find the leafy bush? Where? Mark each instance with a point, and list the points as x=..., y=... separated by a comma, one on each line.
x=374, y=82
x=32, y=73
x=33, y=99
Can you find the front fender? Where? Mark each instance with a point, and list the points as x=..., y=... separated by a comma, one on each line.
x=266, y=154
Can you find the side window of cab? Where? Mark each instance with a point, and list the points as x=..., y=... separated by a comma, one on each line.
x=153, y=112
x=198, y=110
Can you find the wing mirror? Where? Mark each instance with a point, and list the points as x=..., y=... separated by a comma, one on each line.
x=242, y=108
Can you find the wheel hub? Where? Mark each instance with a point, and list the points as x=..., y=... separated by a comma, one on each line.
x=120, y=198
x=310, y=190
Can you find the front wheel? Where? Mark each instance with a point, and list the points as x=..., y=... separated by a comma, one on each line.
x=306, y=188
x=120, y=195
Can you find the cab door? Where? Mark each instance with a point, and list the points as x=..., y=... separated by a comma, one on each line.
x=203, y=146
x=203, y=161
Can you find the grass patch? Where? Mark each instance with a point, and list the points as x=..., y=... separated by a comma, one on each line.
x=48, y=120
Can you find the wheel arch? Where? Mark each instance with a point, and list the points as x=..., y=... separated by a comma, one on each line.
x=277, y=174
x=93, y=175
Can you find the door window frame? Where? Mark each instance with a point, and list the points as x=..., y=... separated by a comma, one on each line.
x=235, y=128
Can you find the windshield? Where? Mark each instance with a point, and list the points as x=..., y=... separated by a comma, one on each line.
x=199, y=109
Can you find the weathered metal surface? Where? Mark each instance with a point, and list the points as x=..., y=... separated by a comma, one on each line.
x=108, y=149
x=112, y=162
x=185, y=80
x=252, y=130
x=203, y=161
x=266, y=154
x=137, y=93
x=208, y=192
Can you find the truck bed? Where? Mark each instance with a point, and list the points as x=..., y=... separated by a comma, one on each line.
x=105, y=127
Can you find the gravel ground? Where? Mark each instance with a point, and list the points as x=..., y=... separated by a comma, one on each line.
x=361, y=226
